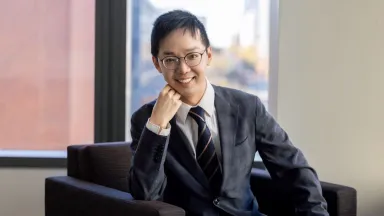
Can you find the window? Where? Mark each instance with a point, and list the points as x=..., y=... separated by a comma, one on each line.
x=46, y=76
x=239, y=31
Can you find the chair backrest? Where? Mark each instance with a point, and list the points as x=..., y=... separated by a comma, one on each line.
x=105, y=164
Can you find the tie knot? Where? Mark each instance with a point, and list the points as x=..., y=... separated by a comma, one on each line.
x=197, y=113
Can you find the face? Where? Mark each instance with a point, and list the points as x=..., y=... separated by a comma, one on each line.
x=188, y=79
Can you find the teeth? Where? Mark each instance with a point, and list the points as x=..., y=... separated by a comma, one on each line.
x=185, y=80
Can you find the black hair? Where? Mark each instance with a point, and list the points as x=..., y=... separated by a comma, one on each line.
x=173, y=20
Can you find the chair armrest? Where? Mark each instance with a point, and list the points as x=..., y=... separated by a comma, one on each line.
x=274, y=200
x=67, y=196
x=342, y=200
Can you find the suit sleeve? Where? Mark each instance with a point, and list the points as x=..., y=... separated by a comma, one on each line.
x=147, y=179
x=287, y=163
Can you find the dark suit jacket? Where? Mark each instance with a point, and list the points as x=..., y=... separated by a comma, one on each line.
x=163, y=168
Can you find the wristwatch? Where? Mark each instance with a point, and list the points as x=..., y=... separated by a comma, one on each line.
x=157, y=129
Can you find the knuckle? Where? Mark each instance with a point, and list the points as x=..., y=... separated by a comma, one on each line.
x=164, y=93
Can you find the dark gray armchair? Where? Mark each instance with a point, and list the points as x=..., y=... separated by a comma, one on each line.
x=97, y=185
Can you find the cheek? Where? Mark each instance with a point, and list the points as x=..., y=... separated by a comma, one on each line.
x=199, y=70
x=167, y=75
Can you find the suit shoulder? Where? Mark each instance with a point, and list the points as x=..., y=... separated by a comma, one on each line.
x=236, y=95
x=248, y=104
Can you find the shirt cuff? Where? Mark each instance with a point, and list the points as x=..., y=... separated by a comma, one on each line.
x=158, y=130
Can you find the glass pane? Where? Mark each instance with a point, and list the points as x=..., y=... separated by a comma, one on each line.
x=46, y=74
x=239, y=35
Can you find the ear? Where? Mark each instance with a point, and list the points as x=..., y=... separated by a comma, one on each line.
x=156, y=63
x=209, y=54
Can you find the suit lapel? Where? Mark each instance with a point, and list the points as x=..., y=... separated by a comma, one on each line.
x=227, y=115
x=181, y=149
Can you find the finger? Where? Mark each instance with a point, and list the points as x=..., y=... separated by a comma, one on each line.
x=165, y=90
x=177, y=96
x=171, y=92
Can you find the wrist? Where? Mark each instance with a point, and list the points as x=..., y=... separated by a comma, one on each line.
x=159, y=123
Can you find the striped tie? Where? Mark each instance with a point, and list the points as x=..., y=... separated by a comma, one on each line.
x=205, y=151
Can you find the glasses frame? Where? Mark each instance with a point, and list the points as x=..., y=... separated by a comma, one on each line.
x=186, y=62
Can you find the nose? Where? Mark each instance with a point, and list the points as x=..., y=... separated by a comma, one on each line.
x=183, y=67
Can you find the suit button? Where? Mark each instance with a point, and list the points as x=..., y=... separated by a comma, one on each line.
x=216, y=201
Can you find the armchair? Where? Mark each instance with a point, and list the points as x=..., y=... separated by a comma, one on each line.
x=97, y=185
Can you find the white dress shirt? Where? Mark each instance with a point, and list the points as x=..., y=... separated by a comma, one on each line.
x=189, y=126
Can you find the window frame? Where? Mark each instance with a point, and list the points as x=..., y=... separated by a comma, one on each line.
x=113, y=30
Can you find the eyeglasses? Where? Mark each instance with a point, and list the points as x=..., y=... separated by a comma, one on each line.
x=191, y=59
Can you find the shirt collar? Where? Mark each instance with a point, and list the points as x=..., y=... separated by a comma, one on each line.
x=207, y=102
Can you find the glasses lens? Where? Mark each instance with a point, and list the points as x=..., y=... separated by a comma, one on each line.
x=193, y=59
x=170, y=62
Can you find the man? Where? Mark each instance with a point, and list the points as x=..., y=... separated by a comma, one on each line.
x=194, y=146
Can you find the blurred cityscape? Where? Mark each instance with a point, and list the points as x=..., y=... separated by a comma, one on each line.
x=240, y=62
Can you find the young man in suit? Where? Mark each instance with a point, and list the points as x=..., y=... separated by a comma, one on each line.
x=194, y=146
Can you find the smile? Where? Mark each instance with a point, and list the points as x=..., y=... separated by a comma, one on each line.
x=184, y=81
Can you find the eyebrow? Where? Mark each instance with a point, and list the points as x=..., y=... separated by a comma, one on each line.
x=186, y=50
